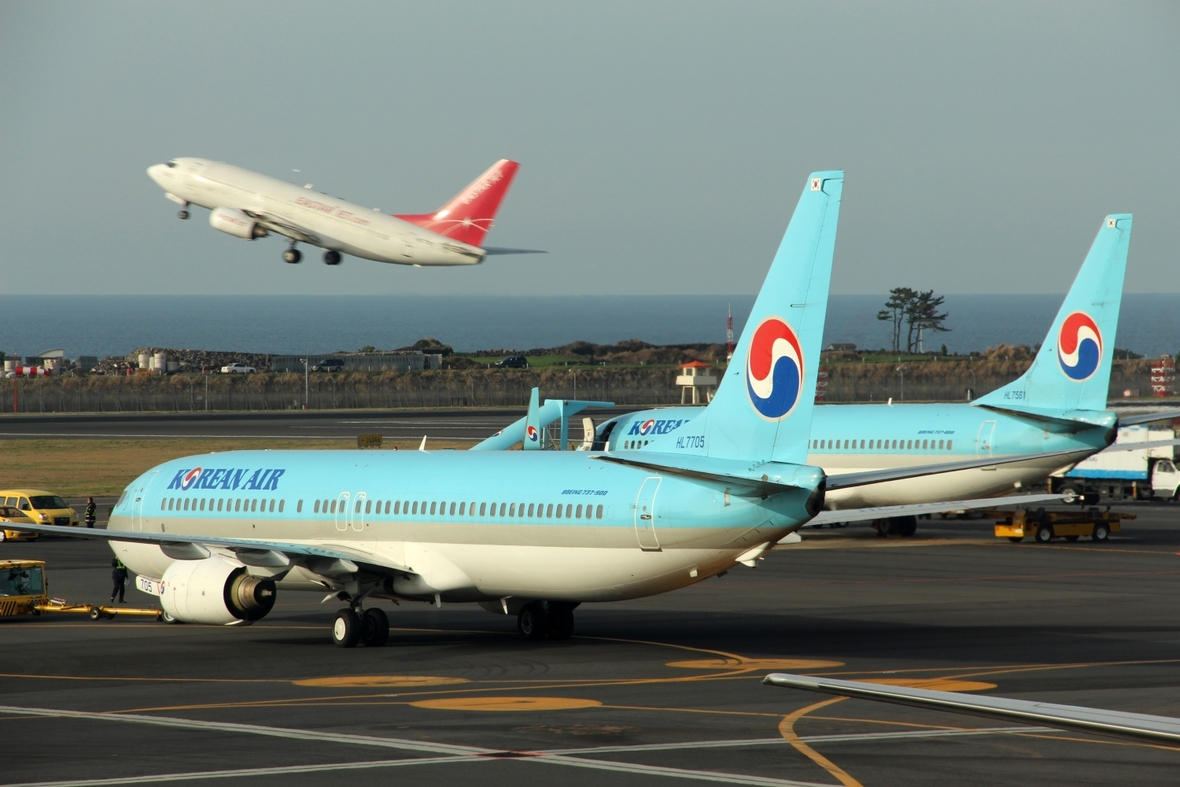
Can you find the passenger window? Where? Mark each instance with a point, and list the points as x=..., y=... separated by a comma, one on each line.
x=483, y=507
x=862, y=443
x=164, y=504
x=923, y=445
x=397, y=507
x=387, y=505
x=452, y=508
x=940, y=442
x=272, y=506
x=578, y=514
x=281, y=502
x=569, y=511
x=237, y=504
x=333, y=507
x=202, y=504
x=502, y=507
x=414, y=510
x=512, y=510
x=298, y=506
x=220, y=502
x=948, y=444
x=845, y=445
x=531, y=509
x=368, y=506
x=598, y=513
x=909, y=444
x=432, y=507
x=315, y=509
x=462, y=508
x=559, y=512
x=186, y=504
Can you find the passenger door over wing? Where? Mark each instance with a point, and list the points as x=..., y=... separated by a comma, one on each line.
x=645, y=514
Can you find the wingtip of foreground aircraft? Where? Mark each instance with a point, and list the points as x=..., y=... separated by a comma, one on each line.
x=1137, y=726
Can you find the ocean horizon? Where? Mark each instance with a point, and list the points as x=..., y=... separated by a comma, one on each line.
x=115, y=325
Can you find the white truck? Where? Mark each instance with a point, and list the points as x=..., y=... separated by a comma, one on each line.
x=1115, y=475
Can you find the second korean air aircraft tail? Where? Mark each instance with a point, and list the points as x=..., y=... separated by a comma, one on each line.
x=762, y=410
x=1072, y=368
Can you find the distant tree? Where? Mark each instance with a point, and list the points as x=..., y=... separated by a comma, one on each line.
x=922, y=315
x=894, y=312
x=368, y=348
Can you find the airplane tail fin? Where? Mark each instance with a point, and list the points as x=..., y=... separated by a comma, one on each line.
x=470, y=213
x=1071, y=371
x=762, y=410
x=532, y=423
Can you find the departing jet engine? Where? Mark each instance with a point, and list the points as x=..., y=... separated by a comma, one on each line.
x=215, y=591
x=236, y=223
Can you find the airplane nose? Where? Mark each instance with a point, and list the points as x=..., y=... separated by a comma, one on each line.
x=154, y=172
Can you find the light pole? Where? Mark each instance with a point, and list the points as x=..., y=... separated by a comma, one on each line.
x=901, y=392
x=306, y=380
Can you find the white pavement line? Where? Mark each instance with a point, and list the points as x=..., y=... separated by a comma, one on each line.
x=891, y=736
x=674, y=773
x=239, y=772
x=145, y=436
x=254, y=729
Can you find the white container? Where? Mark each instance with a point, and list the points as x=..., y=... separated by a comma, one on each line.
x=9, y=365
x=144, y=361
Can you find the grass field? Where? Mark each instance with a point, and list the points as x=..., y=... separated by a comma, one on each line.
x=73, y=468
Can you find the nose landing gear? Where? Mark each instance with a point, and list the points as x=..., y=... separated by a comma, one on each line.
x=182, y=214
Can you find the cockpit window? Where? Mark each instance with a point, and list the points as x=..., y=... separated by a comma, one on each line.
x=171, y=164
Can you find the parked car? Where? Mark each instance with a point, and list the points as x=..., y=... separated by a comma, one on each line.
x=14, y=514
x=329, y=365
x=44, y=508
x=513, y=362
x=238, y=368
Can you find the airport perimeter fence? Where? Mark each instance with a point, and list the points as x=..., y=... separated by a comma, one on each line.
x=925, y=382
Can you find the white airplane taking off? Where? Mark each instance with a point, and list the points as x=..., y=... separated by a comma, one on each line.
x=250, y=206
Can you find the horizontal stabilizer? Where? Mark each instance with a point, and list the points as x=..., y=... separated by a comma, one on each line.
x=847, y=480
x=1120, y=724
x=918, y=509
x=494, y=250
x=753, y=477
x=1148, y=418
x=1059, y=420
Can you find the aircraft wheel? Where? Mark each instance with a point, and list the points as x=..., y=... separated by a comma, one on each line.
x=3, y=534
x=292, y=256
x=182, y=214
x=908, y=526
x=1044, y=533
x=331, y=258
x=346, y=629
x=533, y=621
x=374, y=628
x=1015, y=539
x=1101, y=531
x=561, y=620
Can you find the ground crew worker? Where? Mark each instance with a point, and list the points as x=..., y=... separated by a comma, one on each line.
x=90, y=509
x=119, y=578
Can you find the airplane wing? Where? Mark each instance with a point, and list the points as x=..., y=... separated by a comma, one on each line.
x=249, y=551
x=291, y=230
x=916, y=509
x=1139, y=726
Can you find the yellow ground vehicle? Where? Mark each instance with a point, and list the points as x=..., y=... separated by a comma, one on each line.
x=24, y=590
x=11, y=514
x=44, y=508
x=1045, y=526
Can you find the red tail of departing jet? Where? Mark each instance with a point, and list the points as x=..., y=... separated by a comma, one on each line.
x=470, y=213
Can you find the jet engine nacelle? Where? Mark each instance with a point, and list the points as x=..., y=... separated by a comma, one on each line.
x=236, y=223
x=215, y=591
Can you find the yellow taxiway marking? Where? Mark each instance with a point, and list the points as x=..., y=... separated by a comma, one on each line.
x=507, y=703
x=934, y=684
x=746, y=665
x=786, y=728
x=400, y=681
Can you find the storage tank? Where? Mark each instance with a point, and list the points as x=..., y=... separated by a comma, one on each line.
x=145, y=361
x=160, y=363
x=9, y=365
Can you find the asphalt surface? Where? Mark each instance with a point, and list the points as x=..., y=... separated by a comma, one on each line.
x=658, y=690
x=458, y=424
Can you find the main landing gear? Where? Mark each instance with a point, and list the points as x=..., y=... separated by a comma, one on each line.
x=541, y=619
x=292, y=255
x=353, y=626
x=331, y=257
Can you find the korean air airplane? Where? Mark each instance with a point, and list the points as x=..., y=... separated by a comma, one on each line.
x=529, y=533
x=1057, y=409
x=250, y=206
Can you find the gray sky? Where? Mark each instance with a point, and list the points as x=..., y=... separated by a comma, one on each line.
x=663, y=145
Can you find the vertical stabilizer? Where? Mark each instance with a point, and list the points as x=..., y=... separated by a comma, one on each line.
x=532, y=423
x=470, y=213
x=763, y=406
x=1071, y=371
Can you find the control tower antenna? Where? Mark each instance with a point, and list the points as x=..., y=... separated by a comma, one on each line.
x=729, y=334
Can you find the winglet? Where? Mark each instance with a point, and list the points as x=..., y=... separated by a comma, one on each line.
x=470, y=213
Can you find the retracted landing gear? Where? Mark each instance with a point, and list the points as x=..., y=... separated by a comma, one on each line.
x=540, y=619
x=331, y=257
x=292, y=255
x=352, y=627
